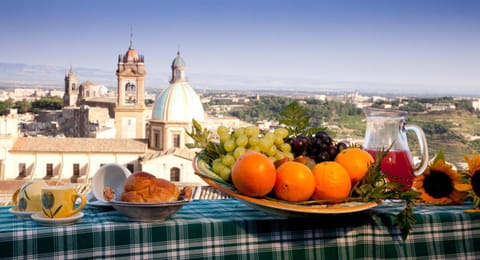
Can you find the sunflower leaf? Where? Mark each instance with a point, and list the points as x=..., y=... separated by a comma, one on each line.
x=439, y=157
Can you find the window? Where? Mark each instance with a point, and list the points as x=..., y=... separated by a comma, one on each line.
x=49, y=170
x=156, y=140
x=130, y=86
x=130, y=167
x=22, y=170
x=176, y=140
x=74, y=86
x=174, y=174
x=76, y=170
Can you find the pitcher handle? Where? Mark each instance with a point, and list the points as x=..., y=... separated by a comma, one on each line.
x=422, y=141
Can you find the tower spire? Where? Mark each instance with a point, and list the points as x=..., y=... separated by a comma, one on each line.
x=131, y=38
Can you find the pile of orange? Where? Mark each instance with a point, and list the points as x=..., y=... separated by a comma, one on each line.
x=256, y=175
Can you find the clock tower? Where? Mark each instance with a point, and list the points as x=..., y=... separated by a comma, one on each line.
x=130, y=105
x=71, y=89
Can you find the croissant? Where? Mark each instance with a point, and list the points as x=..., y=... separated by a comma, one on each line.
x=145, y=187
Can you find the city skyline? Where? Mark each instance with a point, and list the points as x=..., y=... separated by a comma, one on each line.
x=409, y=45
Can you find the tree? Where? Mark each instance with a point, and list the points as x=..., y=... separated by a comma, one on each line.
x=23, y=106
x=5, y=106
x=414, y=106
x=49, y=103
x=464, y=104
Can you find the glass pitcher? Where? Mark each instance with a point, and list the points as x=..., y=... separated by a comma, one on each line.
x=388, y=127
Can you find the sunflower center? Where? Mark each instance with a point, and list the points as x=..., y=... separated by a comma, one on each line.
x=438, y=184
x=476, y=182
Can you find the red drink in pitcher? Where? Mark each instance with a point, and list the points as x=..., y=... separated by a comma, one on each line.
x=398, y=166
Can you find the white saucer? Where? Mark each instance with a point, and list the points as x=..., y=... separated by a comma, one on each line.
x=41, y=219
x=21, y=214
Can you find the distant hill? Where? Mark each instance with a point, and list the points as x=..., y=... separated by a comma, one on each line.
x=42, y=76
x=15, y=75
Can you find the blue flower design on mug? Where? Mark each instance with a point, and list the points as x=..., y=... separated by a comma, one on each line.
x=48, y=200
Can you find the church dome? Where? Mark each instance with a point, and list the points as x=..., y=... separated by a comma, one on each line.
x=178, y=102
x=178, y=62
x=131, y=54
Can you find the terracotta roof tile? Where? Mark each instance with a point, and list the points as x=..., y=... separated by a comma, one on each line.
x=66, y=145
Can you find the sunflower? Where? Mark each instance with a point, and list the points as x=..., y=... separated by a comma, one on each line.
x=472, y=187
x=437, y=184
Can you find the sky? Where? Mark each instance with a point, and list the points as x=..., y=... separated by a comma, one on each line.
x=418, y=44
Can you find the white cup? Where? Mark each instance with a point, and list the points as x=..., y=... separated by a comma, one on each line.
x=111, y=175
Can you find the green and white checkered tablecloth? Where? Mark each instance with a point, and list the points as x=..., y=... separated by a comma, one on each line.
x=227, y=229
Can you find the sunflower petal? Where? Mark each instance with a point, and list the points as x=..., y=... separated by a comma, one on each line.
x=463, y=186
x=472, y=210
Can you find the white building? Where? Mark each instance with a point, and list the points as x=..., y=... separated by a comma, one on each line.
x=157, y=145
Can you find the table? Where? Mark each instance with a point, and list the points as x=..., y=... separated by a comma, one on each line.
x=227, y=229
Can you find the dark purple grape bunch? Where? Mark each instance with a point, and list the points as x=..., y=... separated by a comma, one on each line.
x=319, y=147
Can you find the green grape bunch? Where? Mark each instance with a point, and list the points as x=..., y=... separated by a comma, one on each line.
x=238, y=141
x=222, y=153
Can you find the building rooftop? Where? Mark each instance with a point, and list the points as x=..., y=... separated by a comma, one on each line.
x=78, y=145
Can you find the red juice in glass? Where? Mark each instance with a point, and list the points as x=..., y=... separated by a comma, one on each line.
x=398, y=166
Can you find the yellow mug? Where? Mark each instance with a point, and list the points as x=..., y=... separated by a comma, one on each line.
x=27, y=197
x=60, y=201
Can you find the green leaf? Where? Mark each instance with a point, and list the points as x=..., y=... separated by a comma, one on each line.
x=405, y=219
x=439, y=157
x=202, y=139
x=374, y=186
x=296, y=119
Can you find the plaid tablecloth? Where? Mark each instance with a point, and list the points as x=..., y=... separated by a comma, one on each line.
x=227, y=229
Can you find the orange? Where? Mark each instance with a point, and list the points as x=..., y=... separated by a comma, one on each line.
x=294, y=183
x=331, y=181
x=254, y=174
x=356, y=161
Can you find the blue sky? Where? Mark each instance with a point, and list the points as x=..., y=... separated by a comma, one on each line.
x=417, y=44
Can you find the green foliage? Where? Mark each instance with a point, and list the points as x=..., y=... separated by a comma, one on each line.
x=296, y=118
x=414, y=106
x=149, y=101
x=464, y=105
x=435, y=128
x=5, y=106
x=23, y=106
x=49, y=103
x=202, y=139
x=265, y=109
x=318, y=111
x=375, y=187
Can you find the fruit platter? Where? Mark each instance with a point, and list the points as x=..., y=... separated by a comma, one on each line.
x=274, y=206
x=280, y=175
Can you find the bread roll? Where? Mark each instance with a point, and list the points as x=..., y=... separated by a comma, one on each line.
x=145, y=187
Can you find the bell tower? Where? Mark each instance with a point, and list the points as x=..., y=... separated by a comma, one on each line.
x=130, y=105
x=71, y=89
